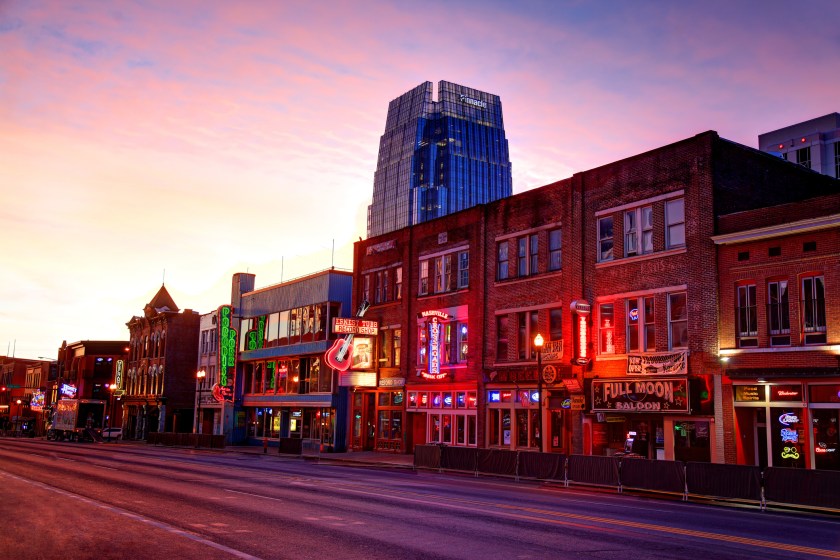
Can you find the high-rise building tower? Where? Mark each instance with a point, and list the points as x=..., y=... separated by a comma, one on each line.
x=814, y=144
x=438, y=157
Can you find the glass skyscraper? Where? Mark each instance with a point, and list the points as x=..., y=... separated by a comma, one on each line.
x=438, y=157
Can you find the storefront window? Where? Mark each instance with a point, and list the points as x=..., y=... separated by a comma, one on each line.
x=826, y=425
x=691, y=441
x=787, y=437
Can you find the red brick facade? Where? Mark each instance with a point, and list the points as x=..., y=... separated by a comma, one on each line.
x=637, y=235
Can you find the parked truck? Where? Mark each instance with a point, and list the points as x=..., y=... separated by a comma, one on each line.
x=77, y=420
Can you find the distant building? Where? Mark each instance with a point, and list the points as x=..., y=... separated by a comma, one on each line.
x=814, y=144
x=438, y=157
x=160, y=378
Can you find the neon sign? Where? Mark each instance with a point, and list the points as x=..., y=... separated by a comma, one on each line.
x=790, y=453
x=788, y=418
x=789, y=436
x=581, y=309
x=435, y=329
x=227, y=344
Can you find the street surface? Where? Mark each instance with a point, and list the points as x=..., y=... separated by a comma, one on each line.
x=77, y=501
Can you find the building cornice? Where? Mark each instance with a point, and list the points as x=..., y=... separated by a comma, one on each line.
x=792, y=228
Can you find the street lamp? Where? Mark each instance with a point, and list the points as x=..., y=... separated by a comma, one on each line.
x=538, y=344
x=20, y=413
x=110, y=387
x=200, y=375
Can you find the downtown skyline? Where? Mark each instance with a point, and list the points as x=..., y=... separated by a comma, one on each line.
x=145, y=142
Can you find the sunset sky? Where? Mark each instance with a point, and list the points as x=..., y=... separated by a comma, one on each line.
x=184, y=141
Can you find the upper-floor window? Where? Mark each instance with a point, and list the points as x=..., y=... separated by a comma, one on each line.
x=522, y=256
x=778, y=313
x=606, y=328
x=527, y=255
x=803, y=156
x=605, y=239
x=813, y=309
x=423, y=288
x=366, y=287
x=675, y=223
x=502, y=260
x=501, y=338
x=677, y=320
x=527, y=329
x=398, y=283
x=837, y=160
x=638, y=231
x=747, y=327
x=555, y=255
x=463, y=269
x=641, y=324
x=555, y=323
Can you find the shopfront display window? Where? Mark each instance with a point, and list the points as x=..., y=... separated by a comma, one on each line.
x=787, y=437
x=826, y=429
x=692, y=441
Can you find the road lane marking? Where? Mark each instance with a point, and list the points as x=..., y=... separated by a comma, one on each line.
x=136, y=517
x=586, y=521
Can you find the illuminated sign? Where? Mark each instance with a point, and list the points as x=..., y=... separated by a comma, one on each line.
x=790, y=453
x=434, y=313
x=474, y=102
x=435, y=328
x=222, y=393
x=68, y=390
x=38, y=401
x=789, y=436
x=582, y=309
x=786, y=392
x=344, y=325
x=640, y=395
x=788, y=418
x=119, y=376
x=357, y=379
x=227, y=344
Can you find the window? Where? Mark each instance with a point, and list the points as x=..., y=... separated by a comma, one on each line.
x=502, y=261
x=747, y=327
x=803, y=157
x=813, y=309
x=606, y=328
x=638, y=231
x=778, y=313
x=678, y=320
x=641, y=325
x=528, y=327
x=463, y=269
x=377, y=289
x=366, y=288
x=533, y=250
x=675, y=223
x=398, y=283
x=522, y=257
x=837, y=160
x=555, y=255
x=447, y=273
x=397, y=346
x=501, y=338
x=440, y=281
x=424, y=278
x=605, y=239
x=555, y=324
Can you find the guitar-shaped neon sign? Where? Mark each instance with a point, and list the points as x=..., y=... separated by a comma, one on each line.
x=338, y=356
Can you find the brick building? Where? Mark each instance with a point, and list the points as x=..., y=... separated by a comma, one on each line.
x=779, y=318
x=160, y=378
x=425, y=294
x=615, y=269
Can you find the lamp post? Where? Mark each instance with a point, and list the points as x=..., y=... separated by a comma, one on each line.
x=199, y=375
x=111, y=387
x=538, y=344
x=20, y=413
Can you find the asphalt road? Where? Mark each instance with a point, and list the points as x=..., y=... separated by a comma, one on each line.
x=78, y=501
